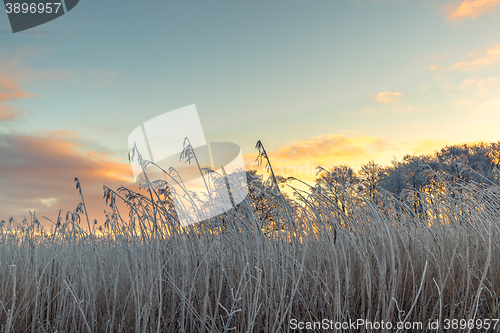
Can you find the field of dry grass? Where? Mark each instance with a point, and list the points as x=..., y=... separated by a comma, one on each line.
x=320, y=256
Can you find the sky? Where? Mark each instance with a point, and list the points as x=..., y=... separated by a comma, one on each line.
x=319, y=82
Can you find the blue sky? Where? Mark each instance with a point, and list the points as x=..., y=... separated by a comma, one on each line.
x=328, y=82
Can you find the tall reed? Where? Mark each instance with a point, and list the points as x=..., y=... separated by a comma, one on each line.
x=142, y=272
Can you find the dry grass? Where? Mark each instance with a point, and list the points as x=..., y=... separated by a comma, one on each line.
x=236, y=272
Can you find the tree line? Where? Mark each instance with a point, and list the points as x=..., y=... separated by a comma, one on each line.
x=415, y=180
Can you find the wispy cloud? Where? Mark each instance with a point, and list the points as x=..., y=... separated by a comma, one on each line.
x=10, y=91
x=476, y=60
x=470, y=8
x=301, y=158
x=37, y=172
x=388, y=97
x=478, y=88
x=467, y=84
x=332, y=145
x=480, y=59
x=10, y=113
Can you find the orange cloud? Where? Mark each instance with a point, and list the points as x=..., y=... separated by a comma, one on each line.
x=470, y=8
x=300, y=158
x=10, y=91
x=387, y=97
x=37, y=172
x=333, y=145
x=485, y=58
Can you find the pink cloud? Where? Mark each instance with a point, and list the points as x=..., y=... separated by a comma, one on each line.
x=37, y=173
x=10, y=91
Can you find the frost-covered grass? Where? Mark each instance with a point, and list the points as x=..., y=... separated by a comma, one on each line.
x=332, y=253
x=236, y=273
